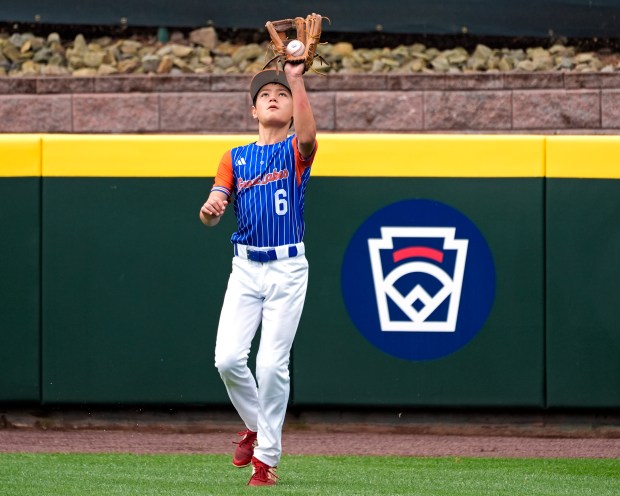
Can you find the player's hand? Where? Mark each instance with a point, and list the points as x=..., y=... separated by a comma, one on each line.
x=212, y=210
x=293, y=70
x=214, y=207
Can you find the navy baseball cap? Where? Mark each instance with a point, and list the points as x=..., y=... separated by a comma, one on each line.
x=265, y=77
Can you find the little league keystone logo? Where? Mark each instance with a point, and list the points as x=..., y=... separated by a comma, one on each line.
x=417, y=260
x=418, y=280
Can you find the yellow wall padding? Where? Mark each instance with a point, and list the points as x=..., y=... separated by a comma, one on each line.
x=20, y=155
x=135, y=155
x=379, y=155
x=596, y=157
x=340, y=155
x=406, y=155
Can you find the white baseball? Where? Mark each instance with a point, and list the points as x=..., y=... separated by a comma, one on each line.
x=295, y=48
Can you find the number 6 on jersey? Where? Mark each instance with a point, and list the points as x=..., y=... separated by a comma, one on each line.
x=280, y=201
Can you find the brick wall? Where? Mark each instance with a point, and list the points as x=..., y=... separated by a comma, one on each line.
x=546, y=103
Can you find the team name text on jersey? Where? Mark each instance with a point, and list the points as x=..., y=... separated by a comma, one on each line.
x=268, y=178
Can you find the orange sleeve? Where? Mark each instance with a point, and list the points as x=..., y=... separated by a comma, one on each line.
x=224, y=177
x=302, y=163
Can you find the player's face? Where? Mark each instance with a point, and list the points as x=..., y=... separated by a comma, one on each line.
x=274, y=105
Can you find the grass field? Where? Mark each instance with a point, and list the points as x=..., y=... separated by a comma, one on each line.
x=152, y=475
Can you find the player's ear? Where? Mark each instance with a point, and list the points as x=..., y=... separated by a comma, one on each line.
x=254, y=112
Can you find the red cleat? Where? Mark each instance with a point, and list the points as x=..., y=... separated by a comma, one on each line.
x=262, y=474
x=245, y=450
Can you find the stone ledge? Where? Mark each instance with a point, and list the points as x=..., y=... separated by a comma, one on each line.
x=521, y=103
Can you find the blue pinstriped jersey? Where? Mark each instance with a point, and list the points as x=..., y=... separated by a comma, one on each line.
x=269, y=190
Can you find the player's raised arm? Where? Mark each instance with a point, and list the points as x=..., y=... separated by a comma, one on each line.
x=303, y=118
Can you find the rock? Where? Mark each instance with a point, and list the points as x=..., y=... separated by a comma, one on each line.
x=257, y=66
x=206, y=60
x=16, y=40
x=400, y=52
x=504, y=65
x=181, y=50
x=225, y=49
x=30, y=68
x=109, y=57
x=150, y=63
x=128, y=65
x=224, y=62
x=421, y=55
x=349, y=63
x=431, y=53
x=563, y=63
x=93, y=59
x=249, y=52
x=11, y=52
x=43, y=55
x=457, y=56
x=57, y=59
x=79, y=44
x=177, y=37
x=165, y=66
x=584, y=58
x=104, y=41
x=53, y=38
x=477, y=61
x=441, y=63
x=342, y=49
x=165, y=50
x=85, y=72
x=26, y=47
x=526, y=65
x=482, y=51
x=417, y=65
x=130, y=47
x=106, y=70
x=205, y=37
x=541, y=59
x=54, y=70
x=76, y=62
x=377, y=66
x=390, y=63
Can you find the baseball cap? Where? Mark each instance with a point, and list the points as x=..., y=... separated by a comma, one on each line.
x=265, y=77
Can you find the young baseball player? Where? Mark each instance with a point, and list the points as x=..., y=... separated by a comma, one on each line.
x=266, y=180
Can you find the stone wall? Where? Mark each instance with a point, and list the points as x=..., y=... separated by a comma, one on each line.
x=517, y=103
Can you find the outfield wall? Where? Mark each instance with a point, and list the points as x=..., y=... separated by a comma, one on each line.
x=111, y=287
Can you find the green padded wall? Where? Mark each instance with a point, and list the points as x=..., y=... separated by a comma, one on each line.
x=132, y=287
x=583, y=293
x=20, y=287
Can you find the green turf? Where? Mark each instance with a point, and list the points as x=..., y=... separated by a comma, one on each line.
x=152, y=475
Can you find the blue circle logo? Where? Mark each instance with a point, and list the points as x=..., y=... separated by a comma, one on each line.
x=418, y=280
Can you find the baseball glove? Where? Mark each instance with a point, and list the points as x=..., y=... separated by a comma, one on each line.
x=307, y=31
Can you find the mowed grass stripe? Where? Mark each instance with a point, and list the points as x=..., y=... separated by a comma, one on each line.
x=126, y=474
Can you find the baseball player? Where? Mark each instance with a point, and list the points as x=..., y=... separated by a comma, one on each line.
x=267, y=181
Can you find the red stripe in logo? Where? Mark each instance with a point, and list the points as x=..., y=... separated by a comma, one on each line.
x=417, y=252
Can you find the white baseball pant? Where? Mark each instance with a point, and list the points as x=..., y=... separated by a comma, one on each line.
x=273, y=294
